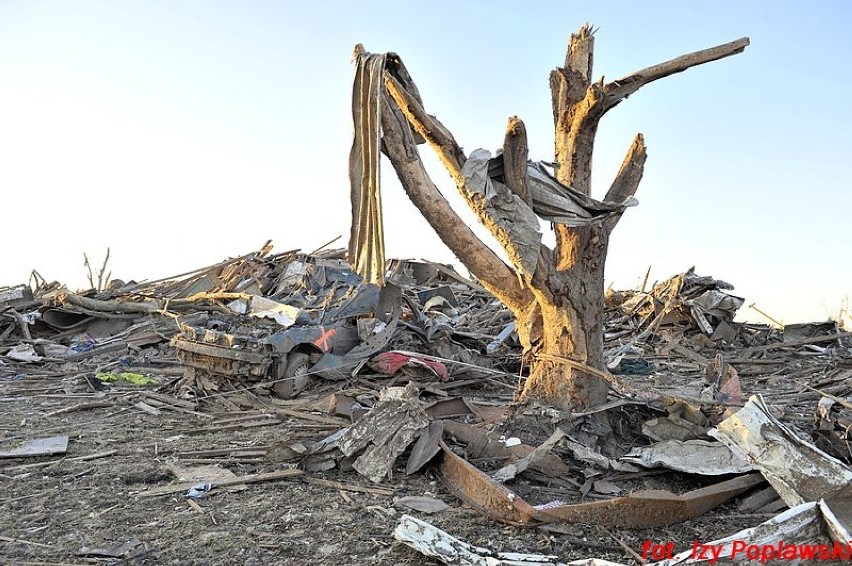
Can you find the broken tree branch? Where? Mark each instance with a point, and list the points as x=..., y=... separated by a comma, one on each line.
x=627, y=180
x=568, y=84
x=574, y=99
x=251, y=478
x=441, y=140
x=618, y=90
x=107, y=306
x=146, y=306
x=515, y=155
x=482, y=262
x=518, y=235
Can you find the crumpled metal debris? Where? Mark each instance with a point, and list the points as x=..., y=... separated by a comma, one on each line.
x=24, y=353
x=691, y=456
x=797, y=469
x=385, y=432
x=391, y=362
x=366, y=241
x=432, y=541
x=507, y=209
x=198, y=490
x=261, y=307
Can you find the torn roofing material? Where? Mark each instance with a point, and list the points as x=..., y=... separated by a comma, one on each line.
x=366, y=240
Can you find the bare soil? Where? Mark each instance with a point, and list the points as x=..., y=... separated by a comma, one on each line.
x=56, y=509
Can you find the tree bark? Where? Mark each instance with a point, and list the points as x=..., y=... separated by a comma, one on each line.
x=515, y=155
x=571, y=330
x=572, y=314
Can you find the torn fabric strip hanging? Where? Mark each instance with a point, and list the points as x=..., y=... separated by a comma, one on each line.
x=366, y=240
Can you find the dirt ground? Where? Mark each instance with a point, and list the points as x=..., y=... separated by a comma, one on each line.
x=61, y=509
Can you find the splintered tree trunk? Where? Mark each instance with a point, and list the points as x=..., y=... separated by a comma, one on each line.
x=558, y=303
x=571, y=353
x=570, y=316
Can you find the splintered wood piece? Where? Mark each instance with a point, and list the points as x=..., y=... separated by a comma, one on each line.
x=253, y=478
x=81, y=407
x=301, y=415
x=348, y=486
x=432, y=541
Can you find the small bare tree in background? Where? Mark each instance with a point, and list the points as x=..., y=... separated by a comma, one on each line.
x=102, y=276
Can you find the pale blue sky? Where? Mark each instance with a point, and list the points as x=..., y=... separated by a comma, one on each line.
x=180, y=133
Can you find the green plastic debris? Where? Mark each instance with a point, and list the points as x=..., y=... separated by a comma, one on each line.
x=129, y=377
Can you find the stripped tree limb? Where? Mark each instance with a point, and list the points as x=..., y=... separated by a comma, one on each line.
x=107, y=306
x=482, y=262
x=146, y=306
x=492, y=213
x=441, y=140
x=515, y=155
x=627, y=180
x=618, y=90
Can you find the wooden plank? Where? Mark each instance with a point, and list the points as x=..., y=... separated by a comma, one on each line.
x=39, y=447
x=311, y=417
x=81, y=407
x=252, y=478
x=348, y=486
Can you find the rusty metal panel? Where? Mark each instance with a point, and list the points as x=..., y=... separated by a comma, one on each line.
x=490, y=498
x=642, y=509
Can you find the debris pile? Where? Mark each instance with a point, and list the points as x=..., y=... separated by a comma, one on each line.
x=420, y=375
x=244, y=320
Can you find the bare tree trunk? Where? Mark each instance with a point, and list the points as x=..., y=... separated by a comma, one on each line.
x=566, y=371
x=571, y=335
x=573, y=313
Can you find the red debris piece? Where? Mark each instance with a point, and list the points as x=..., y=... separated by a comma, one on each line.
x=391, y=362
